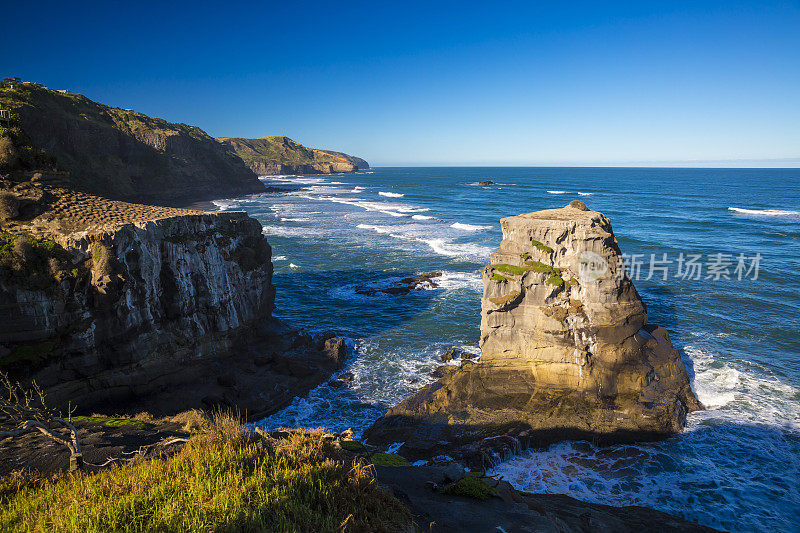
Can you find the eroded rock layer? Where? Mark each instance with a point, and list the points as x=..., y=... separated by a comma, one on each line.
x=566, y=352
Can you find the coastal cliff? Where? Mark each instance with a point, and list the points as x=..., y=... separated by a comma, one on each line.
x=109, y=303
x=566, y=352
x=278, y=154
x=119, y=153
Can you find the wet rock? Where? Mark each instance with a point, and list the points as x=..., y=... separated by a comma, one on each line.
x=485, y=183
x=404, y=286
x=450, y=354
x=345, y=376
x=335, y=350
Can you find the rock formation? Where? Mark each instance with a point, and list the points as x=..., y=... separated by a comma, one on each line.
x=278, y=154
x=566, y=352
x=107, y=302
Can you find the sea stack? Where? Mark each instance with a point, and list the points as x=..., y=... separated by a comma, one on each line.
x=566, y=352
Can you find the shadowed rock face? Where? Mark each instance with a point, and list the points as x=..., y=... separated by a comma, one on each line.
x=566, y=352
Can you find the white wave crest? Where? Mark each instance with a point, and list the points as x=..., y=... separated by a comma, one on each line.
x=226, y=205
x=391, y=194
x=557, y=192
x=469, y=227
x=765, y=212
x=421, y=217
x=585, y=194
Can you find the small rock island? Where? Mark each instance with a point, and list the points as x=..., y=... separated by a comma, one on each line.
x=566, y=353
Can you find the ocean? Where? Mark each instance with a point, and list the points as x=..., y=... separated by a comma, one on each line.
x=715, y=254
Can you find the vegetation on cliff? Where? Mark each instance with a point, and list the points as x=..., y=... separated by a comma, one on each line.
x=278, y=153
x=115, y=152
x=224, y=479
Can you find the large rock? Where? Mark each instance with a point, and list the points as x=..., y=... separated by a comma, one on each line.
x=565, y=352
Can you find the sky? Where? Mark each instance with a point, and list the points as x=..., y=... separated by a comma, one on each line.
x=441, y=83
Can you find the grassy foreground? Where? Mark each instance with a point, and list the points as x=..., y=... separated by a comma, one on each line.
x=223, y=480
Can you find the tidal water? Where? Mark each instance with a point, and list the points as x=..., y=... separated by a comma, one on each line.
x=737, y=464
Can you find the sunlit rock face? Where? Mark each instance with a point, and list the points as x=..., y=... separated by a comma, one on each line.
x=566, y=352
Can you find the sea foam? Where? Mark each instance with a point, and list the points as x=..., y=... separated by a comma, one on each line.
x=469, y=227
x=765, y=212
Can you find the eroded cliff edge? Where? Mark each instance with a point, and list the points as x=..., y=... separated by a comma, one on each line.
x=130, y=307
x=566, y=352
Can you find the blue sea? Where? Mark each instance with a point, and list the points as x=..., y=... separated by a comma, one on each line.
x=737, y=464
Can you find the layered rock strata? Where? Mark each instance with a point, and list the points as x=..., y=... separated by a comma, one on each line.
x=157, y=307
x=566, y=352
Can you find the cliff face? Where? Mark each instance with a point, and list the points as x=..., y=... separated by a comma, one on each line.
x=566, y=352
x=145, y=298
x=126, y=155
x=278, y=154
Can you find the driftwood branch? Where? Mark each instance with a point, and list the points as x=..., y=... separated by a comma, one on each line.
x=26, y=411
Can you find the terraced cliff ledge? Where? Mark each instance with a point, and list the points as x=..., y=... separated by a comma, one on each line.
x=566, y=353
x=130, y=307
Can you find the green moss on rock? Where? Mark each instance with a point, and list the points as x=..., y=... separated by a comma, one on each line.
x=472, y=486
x=352, y=446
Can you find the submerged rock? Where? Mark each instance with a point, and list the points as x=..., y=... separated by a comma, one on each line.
x=485, y=183
x=404, y=286
x=566, y=353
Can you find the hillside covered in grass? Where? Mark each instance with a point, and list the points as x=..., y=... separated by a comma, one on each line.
x=278, y=154
x=118, y=153
x=223, y=479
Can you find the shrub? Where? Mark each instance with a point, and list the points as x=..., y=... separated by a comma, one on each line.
x=37, y=262
x=9, y=206
x=102, y=260
x=9, y=155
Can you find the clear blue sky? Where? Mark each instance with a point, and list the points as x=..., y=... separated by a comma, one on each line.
x=440, y=82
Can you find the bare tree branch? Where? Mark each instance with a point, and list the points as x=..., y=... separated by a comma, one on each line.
x=25, y=410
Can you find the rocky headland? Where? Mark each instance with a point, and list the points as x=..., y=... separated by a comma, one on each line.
x=119, y=153
x=133, y=307
x=72, y=141
x=566, y=353
x=278, y=154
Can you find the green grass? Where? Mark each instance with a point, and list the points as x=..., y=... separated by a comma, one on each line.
x=511, y=269
x=541, y=246
x=472, y=486
x=111, y=422
x=352, y=446
x=530, y=266
x=388, y=459
x=556, y=280
x=222, y=480
x=502, y=300
x=499, y=277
